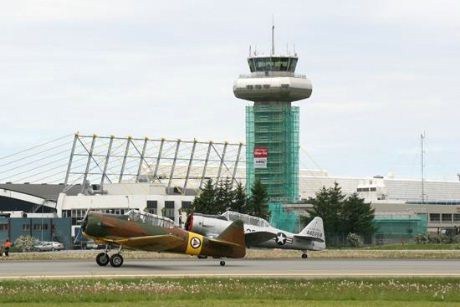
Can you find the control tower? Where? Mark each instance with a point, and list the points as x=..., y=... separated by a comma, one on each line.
x=272, y=123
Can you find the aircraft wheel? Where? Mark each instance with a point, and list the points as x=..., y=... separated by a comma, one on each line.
x=102, y=259
x=116, y=260
x=222, y=263
x=304, y=256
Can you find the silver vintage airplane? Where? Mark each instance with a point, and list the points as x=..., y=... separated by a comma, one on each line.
x=259, y=233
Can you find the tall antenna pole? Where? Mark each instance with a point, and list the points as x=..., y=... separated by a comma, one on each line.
x=422, y=165
x=273, y=35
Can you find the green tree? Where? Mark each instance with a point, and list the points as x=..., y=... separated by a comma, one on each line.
x=258, y=202
x=326, y=204
x=357, y=216
x=341, y=215
x=224, y=195
x=239, y=202
x=205, y=201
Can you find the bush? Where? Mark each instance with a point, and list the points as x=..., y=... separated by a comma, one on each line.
x=421, y=239
x=434, y=238
x=24, y=243
x=456, y=239
x=354, y=240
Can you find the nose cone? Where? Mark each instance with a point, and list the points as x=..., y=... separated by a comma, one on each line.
x=84, y=224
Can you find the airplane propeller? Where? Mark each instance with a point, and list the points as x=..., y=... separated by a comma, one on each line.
x=84, y=223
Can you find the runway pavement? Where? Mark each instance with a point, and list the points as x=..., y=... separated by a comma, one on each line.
x=240, y=268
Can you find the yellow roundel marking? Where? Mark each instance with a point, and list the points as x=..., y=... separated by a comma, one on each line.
x=194, y=244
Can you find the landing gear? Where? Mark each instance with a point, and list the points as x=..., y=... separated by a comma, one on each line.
x=304, y=255
x=116, y=260
x=202, y=257
x=222, y=263
x=102, y=259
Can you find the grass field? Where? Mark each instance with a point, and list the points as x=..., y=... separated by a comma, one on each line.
x=232, y=292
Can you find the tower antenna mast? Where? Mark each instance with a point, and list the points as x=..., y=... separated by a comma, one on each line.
x=273, y=35
x=422, y=165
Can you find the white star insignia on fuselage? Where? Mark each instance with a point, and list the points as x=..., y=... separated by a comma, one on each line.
x=281, y=238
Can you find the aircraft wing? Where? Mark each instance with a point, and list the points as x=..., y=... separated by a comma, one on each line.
x=257, y=237
x=153, y=243
x=308, y=238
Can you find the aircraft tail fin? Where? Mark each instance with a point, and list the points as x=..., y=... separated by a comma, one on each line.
x=314, y=230
x=233, y=237
x=234, y=233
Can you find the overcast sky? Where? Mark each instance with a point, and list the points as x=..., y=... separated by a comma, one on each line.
x=382, y=73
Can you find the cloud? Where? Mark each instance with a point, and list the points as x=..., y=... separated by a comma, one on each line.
x=382, y=72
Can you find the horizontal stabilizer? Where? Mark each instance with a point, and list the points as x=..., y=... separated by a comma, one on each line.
x=258, y=237
x=153, y=243
x=221, y=243
x=308, y=238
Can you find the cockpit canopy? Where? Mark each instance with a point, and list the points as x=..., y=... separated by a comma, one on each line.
x=148, y=218
x=247, y=219
x=272, y=63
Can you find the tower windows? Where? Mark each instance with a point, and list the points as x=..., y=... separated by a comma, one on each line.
x=272, y=64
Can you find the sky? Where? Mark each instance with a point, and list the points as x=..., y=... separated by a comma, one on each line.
x=383, y=72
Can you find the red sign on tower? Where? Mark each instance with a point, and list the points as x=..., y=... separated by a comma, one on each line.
x=260, y=157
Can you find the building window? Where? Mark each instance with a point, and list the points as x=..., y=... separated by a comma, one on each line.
x=26, y=227
x=434, y=217
x=66, y=213
x=3, y=227
x=40, y=226
x=456, y=217
x=152, y=206
x=186, y=205
x=169, y=209
x=446, y=217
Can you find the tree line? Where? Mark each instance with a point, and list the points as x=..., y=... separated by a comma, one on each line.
x=223, y=196
x=342, y=215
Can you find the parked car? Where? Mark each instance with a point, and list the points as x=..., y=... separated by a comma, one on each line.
x=45, y=246
x=91, y=245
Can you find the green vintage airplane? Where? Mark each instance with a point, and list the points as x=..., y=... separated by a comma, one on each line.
x=149, y=232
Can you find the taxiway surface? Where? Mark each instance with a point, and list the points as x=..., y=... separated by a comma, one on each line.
x=249, y=268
